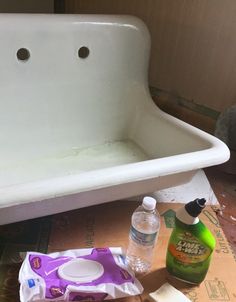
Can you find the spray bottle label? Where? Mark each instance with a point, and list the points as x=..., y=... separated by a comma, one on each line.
x=143, y=238
x=187, y=249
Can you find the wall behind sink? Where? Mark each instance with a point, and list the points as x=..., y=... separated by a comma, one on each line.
x=26, y=6
x=193, y=59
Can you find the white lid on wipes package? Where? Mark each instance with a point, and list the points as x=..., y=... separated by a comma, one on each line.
x=81, y=270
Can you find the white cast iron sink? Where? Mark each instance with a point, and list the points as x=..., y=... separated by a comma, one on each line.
x=77, y=119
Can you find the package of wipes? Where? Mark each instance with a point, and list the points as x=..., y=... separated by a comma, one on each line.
x=77, y=275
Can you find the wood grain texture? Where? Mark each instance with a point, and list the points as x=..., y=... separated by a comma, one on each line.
x=193, y=44
x=26, y=6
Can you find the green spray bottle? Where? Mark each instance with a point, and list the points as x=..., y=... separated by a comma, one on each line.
x=191, y=244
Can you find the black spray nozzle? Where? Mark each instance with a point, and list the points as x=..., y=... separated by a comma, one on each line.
x=195, y=207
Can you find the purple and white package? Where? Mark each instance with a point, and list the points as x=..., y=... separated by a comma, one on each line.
x=77, y=275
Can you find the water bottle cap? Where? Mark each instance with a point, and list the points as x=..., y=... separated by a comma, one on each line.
x=149, y=203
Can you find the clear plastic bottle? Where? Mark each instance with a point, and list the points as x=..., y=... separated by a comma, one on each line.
x=145, y=225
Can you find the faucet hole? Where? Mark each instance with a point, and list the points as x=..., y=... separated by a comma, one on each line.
x=83, y=52
x=23, y=54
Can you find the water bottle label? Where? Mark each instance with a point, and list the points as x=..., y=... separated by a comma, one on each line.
x=142, y=238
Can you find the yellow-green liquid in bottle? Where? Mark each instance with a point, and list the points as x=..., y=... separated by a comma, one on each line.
x=190, y=246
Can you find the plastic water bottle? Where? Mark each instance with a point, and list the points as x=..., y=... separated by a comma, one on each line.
x=145, y=225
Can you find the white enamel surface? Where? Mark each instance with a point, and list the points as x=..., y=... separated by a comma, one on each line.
x=81, y=270
x=72, y=126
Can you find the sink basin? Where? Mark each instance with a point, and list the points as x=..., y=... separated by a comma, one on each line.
x=78, y=125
